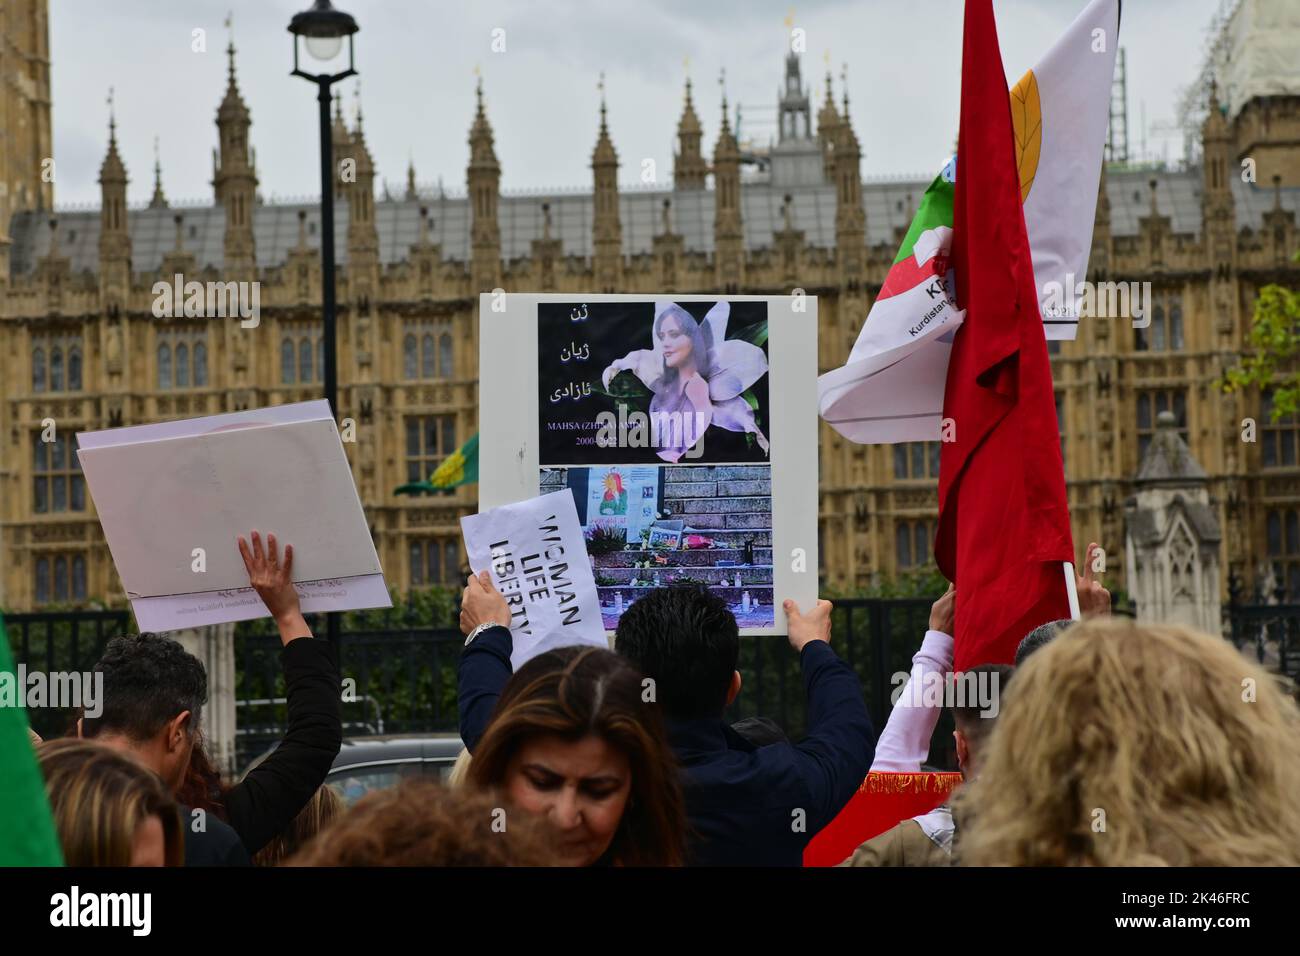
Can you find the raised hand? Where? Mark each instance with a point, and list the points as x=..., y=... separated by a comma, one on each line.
x=943, y=613
x=482, y=603
x=806, y=628
x=1094, y=599
x=273, y=582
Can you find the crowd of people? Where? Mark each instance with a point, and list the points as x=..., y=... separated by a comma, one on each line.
x=1107, y=743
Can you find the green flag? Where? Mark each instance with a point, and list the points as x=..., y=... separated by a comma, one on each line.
x=27, y=836
x=458, y=468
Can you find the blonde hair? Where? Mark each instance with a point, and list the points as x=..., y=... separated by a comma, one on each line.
x=99, y=797
x=1137, y=745
x=321, y=810
x=460, y=769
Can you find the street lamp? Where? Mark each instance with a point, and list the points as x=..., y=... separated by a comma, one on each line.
x=321, y=30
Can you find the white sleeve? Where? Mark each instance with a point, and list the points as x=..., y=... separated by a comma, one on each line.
x=905, y=742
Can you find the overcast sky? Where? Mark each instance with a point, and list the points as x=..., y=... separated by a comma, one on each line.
x=417, y=60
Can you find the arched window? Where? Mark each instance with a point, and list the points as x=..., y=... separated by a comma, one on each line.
x=409, y=358
x=1158, y=330
x=417, y=564
x=451, y=562
x=56, y=370
x=286, y=362
x=60, y=578
x=74, y=369
x=79, y=577
x=38, y=370
x=428, y=357
x=903, y=545
x=444, y=356
x=320, y=359
x=200, y=365
x=435, y=564
x=42, y=580
x=304, y=360
x=182, y=366
x=164, y=366
x=921, y=539
x=1175, y=326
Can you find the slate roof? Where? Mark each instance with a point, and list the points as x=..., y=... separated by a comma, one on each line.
x=888, y=206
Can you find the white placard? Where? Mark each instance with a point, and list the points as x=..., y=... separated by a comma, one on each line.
x=542, y=383
x=172, y=497
x=535, y=552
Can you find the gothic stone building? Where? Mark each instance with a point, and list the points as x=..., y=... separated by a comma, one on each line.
x=79, y=343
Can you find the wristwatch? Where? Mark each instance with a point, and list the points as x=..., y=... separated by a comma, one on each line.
x=479, y=630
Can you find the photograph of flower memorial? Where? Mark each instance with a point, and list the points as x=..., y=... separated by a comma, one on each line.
x=650, y=526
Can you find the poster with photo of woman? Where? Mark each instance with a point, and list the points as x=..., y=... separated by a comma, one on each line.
x=653, y=381
x=684, y=425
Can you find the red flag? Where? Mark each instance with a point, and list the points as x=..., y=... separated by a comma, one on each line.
x=1004, y=527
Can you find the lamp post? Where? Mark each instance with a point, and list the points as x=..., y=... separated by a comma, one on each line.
x=321, y=30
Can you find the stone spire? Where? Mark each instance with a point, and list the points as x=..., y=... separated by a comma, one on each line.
x=607, y=232
x=484, y=182
x=235, y=181
x=850, y=218
x=1172, y=535
x=728, y=237
x=829, y=126
x=114, y=233
x=690, y=169
x=158, y=200
x=411, y=192
x=363, y=237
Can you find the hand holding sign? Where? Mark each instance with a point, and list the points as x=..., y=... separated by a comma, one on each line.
x=1094, y=599
x=482, y=603
x=273, y=583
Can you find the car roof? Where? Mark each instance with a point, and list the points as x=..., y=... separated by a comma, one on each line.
x=361, y=750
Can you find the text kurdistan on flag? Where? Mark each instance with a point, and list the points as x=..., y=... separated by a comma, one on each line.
x=27, y=836
x=891, y=387
x=1004, y=528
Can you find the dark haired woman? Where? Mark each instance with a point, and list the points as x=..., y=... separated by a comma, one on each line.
x=569, y=737
x=698, y=377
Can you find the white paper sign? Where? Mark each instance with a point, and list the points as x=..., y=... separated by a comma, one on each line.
x=538, y=560
x=164, y=490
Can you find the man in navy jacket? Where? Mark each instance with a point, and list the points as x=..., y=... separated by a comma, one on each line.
x=747, y=805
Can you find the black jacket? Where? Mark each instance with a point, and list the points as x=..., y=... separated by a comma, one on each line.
x=209, y=842
x=747, y=805
x=272, y=793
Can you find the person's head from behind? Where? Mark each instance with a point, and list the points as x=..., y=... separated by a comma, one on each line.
x=153, y=696
x=1039, y=638
x=1138, y=745
x=107, y=808
x=322, y=810
x=977, y=701
x=573, y=740
x=685, y=640
x=420, y=823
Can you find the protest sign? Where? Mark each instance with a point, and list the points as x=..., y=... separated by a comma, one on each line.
x=658, y=415
x=535, y=552
x=172, y=497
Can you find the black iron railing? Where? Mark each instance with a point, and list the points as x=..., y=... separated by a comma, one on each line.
x=63, y=641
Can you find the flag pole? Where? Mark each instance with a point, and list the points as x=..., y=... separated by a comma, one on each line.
x=1071, y=590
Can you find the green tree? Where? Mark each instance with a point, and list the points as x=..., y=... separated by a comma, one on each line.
x=1271, y=364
